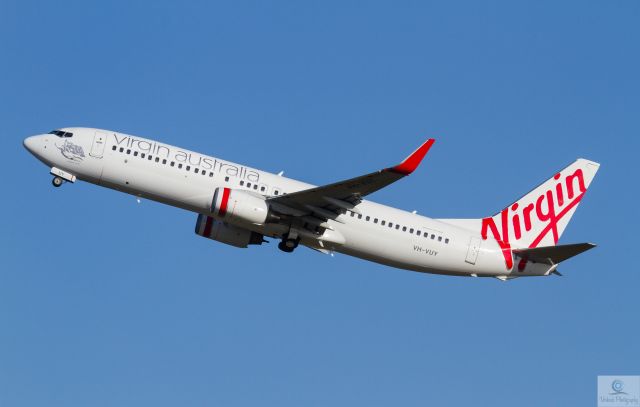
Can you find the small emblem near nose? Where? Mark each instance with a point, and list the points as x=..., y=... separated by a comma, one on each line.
x=71, y=151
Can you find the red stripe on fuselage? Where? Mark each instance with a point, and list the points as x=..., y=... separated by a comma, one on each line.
x=225, y=202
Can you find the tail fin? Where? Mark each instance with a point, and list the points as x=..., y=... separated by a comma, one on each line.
x=540, y=217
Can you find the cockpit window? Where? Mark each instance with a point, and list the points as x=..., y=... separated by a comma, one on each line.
x=61, y=133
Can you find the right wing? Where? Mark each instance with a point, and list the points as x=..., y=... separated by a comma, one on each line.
x=328, y=201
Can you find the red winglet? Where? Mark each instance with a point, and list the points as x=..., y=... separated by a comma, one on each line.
x=411, y=163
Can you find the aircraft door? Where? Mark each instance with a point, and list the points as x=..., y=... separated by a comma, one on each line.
x=99, y=141
x=474, y=248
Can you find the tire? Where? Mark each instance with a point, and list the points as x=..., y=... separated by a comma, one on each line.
x=57, y=182
x=282, y=246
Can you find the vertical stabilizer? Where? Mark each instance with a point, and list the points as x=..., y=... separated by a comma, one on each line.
x=540, y=217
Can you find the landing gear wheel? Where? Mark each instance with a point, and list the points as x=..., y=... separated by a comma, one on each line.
x=284, y=248
x=288, y=245
x=57, y=181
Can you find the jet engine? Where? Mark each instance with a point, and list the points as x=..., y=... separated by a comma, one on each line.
x=223, y=232
x=238, y=206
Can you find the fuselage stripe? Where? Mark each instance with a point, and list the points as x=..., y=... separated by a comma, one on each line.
x=224, y=203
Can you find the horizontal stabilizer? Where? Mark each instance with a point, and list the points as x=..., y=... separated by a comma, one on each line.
x=553, y=254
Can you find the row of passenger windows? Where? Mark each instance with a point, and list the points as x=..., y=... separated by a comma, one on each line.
x=196, y=170
x=256, y=186
x=397, y=226
x=164, y=161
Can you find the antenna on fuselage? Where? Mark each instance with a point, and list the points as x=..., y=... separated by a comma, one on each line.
x=280, y=173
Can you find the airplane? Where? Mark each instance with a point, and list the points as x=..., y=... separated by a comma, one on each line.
x=240, y=206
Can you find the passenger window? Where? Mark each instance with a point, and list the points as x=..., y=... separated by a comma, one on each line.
x=404, y=228
x=164, y=161
x=226, y=179
x=248, y=185
x=439, y=238
x=114, y=148
x=135, y=153
x=255, y=186
x=188, y=168
x=276, y=192
x=150, y=157
x=353, y=214
x=368, y=218
x=180, y=165
x=195, y=170
x=128, y=151
x=157, y=159
x=142, y=155
x=204, y=173
x=121, y=149
x=383, y=222
x=173, y=163
x=390, y=224
x=262, y=188
x=411, y=230
x=433, y=236
x=397, y=227
x=418, y=233
x=210, y=175
x=241, y=182
x=375, y=220
x=446, y=241
x=359, y=216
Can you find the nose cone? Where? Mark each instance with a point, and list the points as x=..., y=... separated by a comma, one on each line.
x=30, y=144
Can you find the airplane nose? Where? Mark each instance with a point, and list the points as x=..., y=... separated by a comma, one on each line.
x=30, y=143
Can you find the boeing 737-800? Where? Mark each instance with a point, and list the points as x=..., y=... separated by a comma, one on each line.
x=239, y=206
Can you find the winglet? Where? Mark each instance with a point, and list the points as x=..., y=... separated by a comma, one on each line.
x=411, y=163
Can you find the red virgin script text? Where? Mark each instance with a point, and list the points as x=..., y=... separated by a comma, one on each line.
x=549, y=208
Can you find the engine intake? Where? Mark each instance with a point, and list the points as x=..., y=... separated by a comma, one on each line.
x=238, y=206
x=208, y=227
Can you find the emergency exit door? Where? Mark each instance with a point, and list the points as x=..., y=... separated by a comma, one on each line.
x=97, y=148
x=472, y=252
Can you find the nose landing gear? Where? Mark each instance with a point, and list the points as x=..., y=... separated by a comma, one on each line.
x=60, y=176
x=57, y=181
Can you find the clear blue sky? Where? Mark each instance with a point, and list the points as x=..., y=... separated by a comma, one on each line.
x=104, y=302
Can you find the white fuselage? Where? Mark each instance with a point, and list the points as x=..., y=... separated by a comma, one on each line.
x=187, y=180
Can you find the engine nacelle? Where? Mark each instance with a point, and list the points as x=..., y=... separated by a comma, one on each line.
x=239, y=206
x=223, y=232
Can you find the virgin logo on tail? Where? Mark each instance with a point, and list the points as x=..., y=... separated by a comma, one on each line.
x=540, y=215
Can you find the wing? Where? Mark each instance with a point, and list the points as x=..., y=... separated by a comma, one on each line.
x=328, y=201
